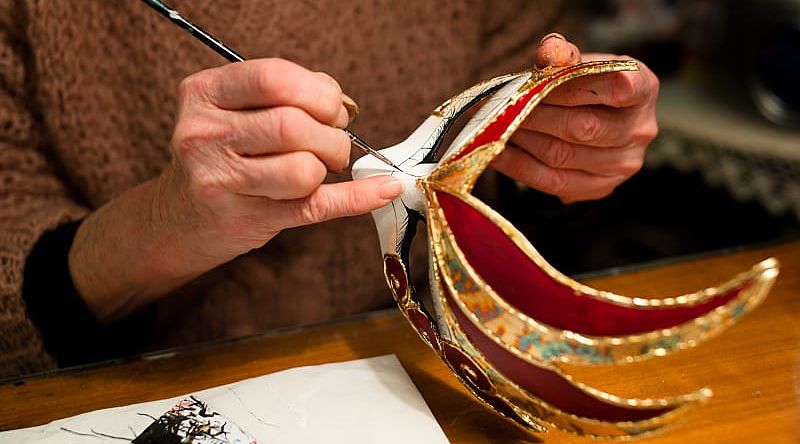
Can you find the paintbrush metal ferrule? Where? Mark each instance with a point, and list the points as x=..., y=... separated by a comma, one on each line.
x=357, y=141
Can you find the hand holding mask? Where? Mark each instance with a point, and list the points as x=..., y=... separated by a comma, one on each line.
x=501, y=317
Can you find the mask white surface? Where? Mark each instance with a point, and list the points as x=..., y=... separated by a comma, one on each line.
x=392, y=220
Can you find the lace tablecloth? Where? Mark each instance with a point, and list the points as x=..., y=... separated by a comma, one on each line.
x=751, y=158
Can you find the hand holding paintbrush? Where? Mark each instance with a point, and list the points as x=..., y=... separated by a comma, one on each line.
x=252, y=145
x=232, y=56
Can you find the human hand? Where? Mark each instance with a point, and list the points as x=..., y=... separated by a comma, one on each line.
x=252, y=146
x=589, y=135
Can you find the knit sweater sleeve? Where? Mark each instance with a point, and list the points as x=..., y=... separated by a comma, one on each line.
x=33, y=198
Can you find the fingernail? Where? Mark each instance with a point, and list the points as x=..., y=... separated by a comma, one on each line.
x=550, y=36
x=558, y=52
x=351, y=106
x=390, y=188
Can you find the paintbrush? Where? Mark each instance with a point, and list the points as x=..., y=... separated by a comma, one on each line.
x=232, y=56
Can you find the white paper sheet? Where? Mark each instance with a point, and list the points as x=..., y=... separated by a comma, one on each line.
x=365, y=401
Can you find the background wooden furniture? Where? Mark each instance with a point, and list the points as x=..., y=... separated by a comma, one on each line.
x=753, y=368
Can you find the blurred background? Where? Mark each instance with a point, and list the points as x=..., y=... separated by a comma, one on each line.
x=724, y=172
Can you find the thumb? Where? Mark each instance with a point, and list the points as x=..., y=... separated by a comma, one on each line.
x=331, y=201
x=555, y=50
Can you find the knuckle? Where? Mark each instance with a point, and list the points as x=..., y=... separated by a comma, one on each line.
x=648, y=131
x=631, y=166
x=556, y=183
x=277, y=64
x=315, y=208
x=584, y=125
x=264, y=83
x=560, y=154
x=183, y=138
x=305, y=173
x=288, y=122
x=194, y=86
x=187, y=87
x=622, y=90
x=270, y=75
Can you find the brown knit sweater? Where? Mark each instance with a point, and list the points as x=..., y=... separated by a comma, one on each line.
x=87, y=106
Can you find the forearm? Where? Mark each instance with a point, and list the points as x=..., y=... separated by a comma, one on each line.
x=130, y=252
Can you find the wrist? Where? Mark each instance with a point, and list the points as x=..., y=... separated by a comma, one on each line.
x=134, y=250
x=173, y=219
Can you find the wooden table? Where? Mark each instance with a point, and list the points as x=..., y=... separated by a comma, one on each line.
x=753, y=368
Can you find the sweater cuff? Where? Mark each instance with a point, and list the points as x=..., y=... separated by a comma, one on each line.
x=70, y=332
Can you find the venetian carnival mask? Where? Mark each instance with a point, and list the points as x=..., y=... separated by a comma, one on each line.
x=501, y=317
